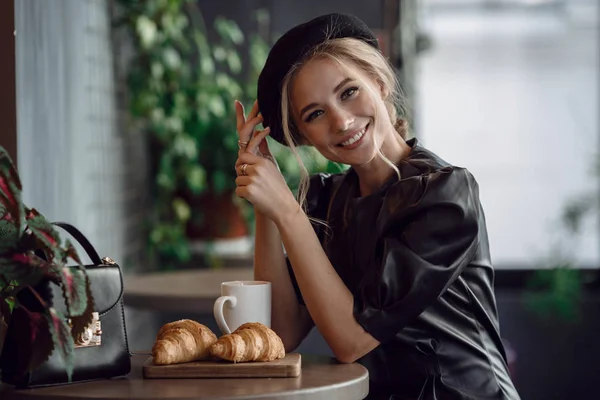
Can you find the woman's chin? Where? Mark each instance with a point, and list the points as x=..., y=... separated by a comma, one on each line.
x=360, y=156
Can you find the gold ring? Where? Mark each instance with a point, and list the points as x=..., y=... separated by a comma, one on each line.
x=243, y=170
x=242, y=145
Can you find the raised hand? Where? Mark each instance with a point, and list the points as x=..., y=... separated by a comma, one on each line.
x=246, y=127
x=259, y=179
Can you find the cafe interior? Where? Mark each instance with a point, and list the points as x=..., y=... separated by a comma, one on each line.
x=96, y=119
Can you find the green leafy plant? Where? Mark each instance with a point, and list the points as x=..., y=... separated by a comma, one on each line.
x=31, y=252
x=182, y=90
x=181, y=87
x=556, y=291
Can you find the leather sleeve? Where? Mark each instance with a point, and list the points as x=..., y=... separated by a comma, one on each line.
x=429, y=226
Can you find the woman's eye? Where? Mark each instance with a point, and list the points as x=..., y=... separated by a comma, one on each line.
x=349, y=92
x=346, y=94
x=313, y=115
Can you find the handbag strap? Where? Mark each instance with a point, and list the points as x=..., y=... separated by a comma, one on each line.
x=82, y=240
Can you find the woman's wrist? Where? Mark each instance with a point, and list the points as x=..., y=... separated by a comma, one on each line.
x=288, y=214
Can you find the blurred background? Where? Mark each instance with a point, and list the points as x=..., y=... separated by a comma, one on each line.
x=119, y=115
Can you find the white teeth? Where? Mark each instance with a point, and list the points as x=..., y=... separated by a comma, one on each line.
x=354, y=138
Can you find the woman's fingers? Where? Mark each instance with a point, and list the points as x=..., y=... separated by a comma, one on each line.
x=243, y=180
x=239, y=114
x=254, y=111
x=263, y=148
x=246, y=126
x=242, y=191
x=256, y=140
x=248, y=158
x=247, y=130
x=243, y=169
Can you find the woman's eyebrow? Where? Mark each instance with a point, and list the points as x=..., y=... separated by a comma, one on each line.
x=342, y=83
x=335, y=89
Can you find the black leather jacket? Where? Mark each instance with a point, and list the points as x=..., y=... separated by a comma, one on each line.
x=416, y=257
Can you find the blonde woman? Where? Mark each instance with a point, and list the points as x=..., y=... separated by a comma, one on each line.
x=390, y=259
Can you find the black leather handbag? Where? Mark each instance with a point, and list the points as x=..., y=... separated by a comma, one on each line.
x=101, y=352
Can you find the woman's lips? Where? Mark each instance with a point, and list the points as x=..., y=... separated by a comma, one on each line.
x=357, y=142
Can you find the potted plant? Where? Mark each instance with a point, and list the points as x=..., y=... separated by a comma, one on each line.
x=31, y=253
x=181, y=91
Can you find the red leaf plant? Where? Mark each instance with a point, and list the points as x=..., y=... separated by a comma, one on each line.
x=31, y=253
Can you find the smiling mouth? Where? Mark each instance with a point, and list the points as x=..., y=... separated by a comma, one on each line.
x=359, y=135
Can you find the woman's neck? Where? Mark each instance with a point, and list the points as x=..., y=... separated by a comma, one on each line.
x=372, y=175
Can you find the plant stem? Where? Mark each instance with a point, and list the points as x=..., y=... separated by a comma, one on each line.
x=35, y=293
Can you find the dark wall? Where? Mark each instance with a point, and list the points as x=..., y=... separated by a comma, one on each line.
x=8, y=110
x=556, y=358
x=287, y=13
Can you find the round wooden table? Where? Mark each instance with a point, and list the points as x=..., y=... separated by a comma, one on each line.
x=321, y=378
x=187, y=291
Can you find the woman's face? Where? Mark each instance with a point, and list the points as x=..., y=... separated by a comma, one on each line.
x=337, y=113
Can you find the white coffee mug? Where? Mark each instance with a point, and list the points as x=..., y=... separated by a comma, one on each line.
x=241, y=302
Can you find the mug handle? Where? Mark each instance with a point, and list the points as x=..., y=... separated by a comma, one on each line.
x=218, y=312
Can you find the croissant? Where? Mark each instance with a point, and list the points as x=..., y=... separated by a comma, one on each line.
x=252, y=341
x=182, y=341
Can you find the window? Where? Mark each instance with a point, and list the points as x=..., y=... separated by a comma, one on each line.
x=510, y=91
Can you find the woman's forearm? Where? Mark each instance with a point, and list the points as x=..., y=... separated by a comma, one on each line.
x=327, y=298
x=270, y=265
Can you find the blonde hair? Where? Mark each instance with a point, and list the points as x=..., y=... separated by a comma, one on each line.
x=375, y=65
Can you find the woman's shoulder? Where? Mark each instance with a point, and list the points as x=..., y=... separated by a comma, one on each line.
x=423, y=164
x=422, y=161
x=426, y=179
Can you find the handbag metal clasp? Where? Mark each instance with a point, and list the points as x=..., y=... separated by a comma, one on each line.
x=91, y=335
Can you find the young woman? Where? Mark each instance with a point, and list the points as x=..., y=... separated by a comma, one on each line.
x=390, y=259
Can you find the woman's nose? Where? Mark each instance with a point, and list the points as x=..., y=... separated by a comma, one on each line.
x=342, y=120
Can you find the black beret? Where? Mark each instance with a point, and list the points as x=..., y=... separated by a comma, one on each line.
x=290, y=49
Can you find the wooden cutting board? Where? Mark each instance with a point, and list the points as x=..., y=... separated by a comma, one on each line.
x=287, y=367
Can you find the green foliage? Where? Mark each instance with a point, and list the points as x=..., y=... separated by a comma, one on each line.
x=555, y=292
x=180, y=90
x=23, y=233
x=182, y=86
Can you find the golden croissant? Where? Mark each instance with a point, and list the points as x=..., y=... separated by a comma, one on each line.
x=252, y=341
x=182, y=341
